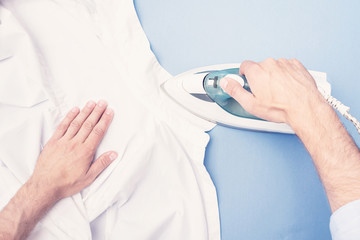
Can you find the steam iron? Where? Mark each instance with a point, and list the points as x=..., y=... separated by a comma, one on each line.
x=199, y=91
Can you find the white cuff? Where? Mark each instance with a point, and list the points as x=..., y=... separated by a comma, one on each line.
x=345, y=222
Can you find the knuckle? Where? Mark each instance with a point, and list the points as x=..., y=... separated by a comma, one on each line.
x=89, y=149
x=296, y=62
x=270, y=60
x=88, y=125
x=97, y=112
x=99, y=131
x=105, y=161
x=62, y=127
x=282, y=60
x=75, y=124
x=73, y=144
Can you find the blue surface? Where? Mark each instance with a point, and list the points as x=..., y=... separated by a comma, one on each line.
x=267, y=185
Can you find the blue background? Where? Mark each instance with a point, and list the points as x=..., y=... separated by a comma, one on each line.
x=267, y=185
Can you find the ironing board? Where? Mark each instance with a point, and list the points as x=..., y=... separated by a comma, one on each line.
x=266, y=183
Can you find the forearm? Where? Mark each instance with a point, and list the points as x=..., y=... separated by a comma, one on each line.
x=335, y=155
x=24, y=210
x=284, y=91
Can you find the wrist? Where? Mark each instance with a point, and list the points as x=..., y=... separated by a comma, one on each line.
x=311, y=114
x=45, y=192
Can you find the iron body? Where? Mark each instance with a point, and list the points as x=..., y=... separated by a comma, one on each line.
x=198, y=91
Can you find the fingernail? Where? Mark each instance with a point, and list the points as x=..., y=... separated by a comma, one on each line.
x=223, y=83
x=108, y=111
x=113, y=156
x=101, y=103
x=74, y=110
x=90, y=104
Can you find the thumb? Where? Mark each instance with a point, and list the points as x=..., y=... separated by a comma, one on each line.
x=101, y=163
x=235, y=90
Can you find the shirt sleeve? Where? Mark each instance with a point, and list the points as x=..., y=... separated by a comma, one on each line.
x=345, y=222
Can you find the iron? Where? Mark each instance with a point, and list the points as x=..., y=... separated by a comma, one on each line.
x=199, y=92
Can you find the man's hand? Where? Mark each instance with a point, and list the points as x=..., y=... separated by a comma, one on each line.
x=65, y=166
x=284, y=91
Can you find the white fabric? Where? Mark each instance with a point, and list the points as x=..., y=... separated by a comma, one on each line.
x=345, y=222
x=58, y=54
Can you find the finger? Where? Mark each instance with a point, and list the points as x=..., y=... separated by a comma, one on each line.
x=91, y=121
x=285, y=65
x=284, y=62
x=100, y=164
x=76, y=124
x=235, y=90
x=269, y=64
x=297, y=64
x=98, y=132
x=64, y=125
x=246, y=65
x=299, y=68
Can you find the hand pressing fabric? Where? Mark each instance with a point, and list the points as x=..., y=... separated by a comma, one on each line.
x=65, y=166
